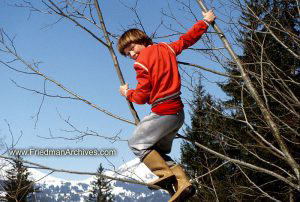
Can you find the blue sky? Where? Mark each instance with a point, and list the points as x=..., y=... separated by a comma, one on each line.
x=72, y=57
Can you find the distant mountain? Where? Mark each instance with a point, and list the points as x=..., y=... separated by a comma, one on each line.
x=54, y=189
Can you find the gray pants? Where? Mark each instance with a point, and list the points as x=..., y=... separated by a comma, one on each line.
x=156, y=132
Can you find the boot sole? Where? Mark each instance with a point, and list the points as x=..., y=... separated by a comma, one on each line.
x=169, y=180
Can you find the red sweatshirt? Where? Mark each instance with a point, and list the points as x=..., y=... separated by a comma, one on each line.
x=157, y=73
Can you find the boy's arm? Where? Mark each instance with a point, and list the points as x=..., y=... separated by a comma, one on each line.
x=194, y=34
x=141, y=94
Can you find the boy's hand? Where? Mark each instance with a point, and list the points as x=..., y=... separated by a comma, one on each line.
x=209, y=16
x=124, y=89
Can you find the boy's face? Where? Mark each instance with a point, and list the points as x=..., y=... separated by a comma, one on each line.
x=133, y=50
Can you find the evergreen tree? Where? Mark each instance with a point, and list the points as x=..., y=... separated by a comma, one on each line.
x=270, y=38
x=274, y=72
x=101, y=188
x=18, y=187
x=210, y=128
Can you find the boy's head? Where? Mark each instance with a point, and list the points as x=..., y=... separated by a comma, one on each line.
x=133, y=36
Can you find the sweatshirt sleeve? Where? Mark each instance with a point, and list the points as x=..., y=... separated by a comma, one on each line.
x=190, y=38
x=141, y=94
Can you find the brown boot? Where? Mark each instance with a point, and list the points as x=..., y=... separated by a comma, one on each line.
x=159, y=167
x=183, y=187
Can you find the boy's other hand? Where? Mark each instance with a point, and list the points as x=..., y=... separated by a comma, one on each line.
x=124, y=89
x=209, y=16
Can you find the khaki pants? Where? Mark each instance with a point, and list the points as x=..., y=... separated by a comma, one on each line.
x=156, y=132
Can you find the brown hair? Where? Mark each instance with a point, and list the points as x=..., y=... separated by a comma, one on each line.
x=133, y=36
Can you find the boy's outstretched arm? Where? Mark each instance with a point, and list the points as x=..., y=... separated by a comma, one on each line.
x=194, y=34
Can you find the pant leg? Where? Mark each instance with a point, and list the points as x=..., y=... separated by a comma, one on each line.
x=164, y=145
x=153, y=129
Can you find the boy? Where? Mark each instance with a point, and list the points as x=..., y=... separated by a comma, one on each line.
x=159, y=85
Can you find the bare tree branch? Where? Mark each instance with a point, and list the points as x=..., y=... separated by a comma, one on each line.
x=39, y=166
x=114, y=58
x=253, y=92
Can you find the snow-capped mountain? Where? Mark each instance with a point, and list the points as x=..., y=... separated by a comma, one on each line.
x=54, y=189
